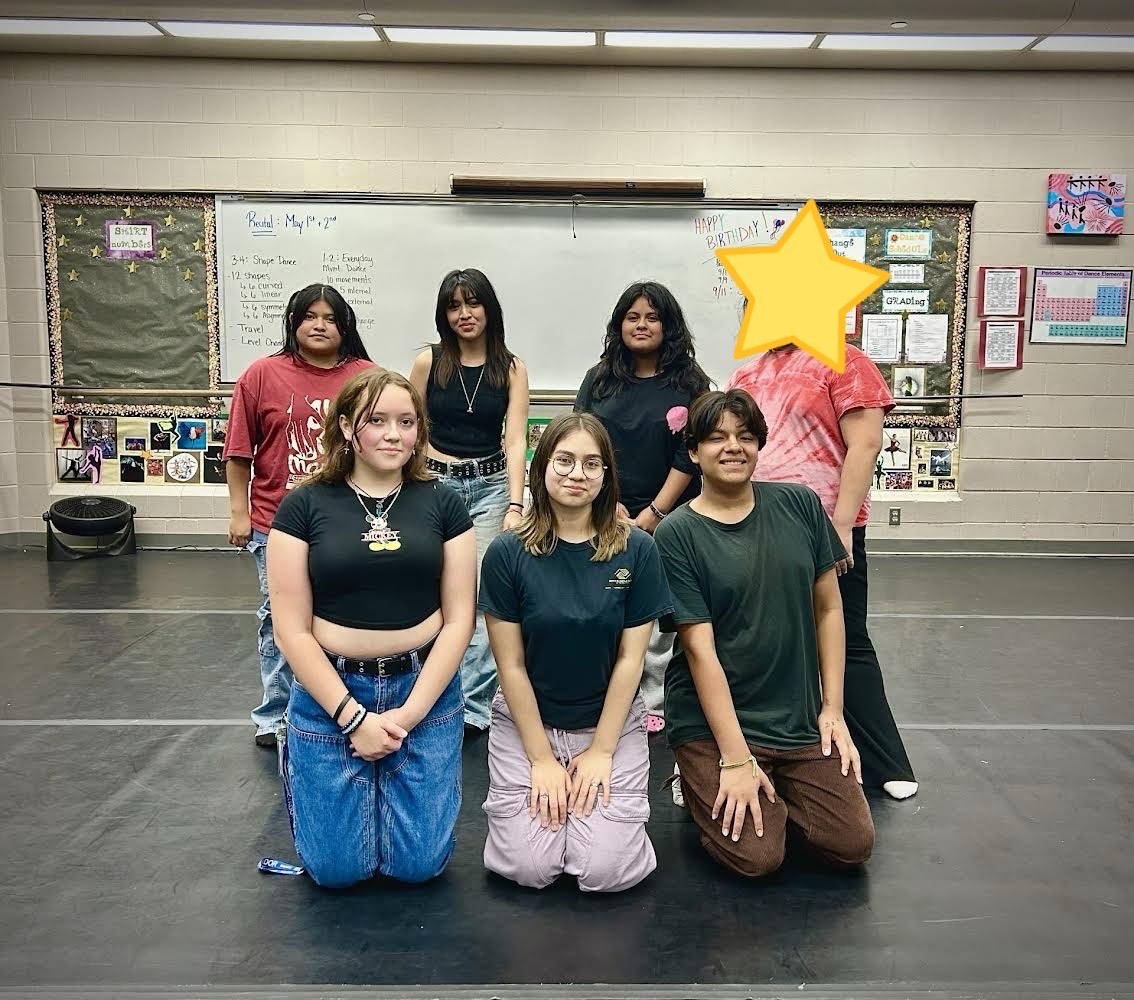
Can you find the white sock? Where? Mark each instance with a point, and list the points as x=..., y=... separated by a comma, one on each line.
x=900, y=789
x=676, y=789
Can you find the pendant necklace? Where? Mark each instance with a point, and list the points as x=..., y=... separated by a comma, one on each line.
x=380, y=518
x=464, y=388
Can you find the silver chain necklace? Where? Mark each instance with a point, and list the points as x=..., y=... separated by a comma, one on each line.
x=380, y=518
x=465, y=390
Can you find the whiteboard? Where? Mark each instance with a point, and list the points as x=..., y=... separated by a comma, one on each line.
x=558, y=269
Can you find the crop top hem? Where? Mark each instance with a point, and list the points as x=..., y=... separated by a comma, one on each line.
x=379, y=626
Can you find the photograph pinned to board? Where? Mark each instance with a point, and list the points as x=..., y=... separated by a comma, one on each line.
x=937, y=435
x=947, y=484
x=162, y=435
x=71, y=466
x=1001, y=346
x=1080, y=305
x=1090, y=204
x=191, y=435
x=1001, y=290
x=155, y=470
x=218, y=430
x=183, y=468
x=103, y=432
x=214, y=466
x=898, y=481
x=132, y=469
x=897, y=449
x=941, y=462
x=909, y=381
x=926, y=484
x=536, y=427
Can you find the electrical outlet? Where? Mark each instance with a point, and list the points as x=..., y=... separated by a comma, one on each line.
x=895, y=517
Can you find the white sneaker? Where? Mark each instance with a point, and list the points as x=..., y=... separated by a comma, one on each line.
x=900, y=789
x=676, y=790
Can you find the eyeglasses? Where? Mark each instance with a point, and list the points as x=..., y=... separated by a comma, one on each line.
x=564, y=465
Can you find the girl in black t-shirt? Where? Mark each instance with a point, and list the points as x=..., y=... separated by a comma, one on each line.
x=641, y=390
x=570, y=598
x=372, y=579
x=476, y=393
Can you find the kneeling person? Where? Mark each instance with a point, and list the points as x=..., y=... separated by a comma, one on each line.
x=754, y=693
x=570, y=597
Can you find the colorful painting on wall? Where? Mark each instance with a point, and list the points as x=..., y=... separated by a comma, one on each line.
x=1091, y=204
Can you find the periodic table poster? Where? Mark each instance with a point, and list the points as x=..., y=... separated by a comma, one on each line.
x=1080, y=305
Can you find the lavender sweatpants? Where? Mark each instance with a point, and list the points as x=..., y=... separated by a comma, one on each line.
x=608, y=851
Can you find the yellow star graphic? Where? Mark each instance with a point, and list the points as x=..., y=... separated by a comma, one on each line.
x=67, y=314
x=164, y=253
x=169, y=220
x=200, y=315
x=72, y=275
x=80, y=219
x=188, y=275
x=63, y=241
x=197, y=244
x=96, y=251
x=132, y=267
x=129, y=212
x=799, y=291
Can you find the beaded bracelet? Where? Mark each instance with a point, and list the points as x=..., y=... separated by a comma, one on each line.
x=355, y=722
x=657, y=513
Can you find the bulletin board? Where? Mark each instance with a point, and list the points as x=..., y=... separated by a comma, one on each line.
x=131, y=300
x=922, y=309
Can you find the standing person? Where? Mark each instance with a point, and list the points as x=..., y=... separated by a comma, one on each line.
x=825, y=431
x=372, y=575
x=754, y=692
x=571, y=596
x=641, y=391
x=272, y=443
x=476, y=395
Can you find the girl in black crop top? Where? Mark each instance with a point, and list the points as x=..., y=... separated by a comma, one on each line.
x=476, y=394
x=372, y=578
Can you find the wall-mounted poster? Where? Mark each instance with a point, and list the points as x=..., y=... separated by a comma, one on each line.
x=1079, y=305
x=1091, y=204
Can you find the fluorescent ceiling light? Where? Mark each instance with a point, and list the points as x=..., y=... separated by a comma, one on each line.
x=1086, y=43
x=928, y=43
x=270, y=32
x=91, y=28
x=488, y=36
x=709, y=39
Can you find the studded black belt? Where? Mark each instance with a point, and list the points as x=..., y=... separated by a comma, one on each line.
x=380, y=666
x=469, y=468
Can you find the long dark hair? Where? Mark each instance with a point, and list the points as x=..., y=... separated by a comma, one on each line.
x=499, y=360
x=677, y=358
x=345, y=320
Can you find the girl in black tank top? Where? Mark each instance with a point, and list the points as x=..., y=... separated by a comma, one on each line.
x=476, y=396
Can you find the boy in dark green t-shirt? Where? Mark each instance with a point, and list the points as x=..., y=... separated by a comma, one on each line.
x=754, y=692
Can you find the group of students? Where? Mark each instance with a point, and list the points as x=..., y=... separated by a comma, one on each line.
x=689, y=560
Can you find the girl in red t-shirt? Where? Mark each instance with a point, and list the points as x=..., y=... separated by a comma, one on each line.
x=272, y=444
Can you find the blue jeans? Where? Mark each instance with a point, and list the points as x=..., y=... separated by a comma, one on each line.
x=486, y=498
x=275, y=674
x=353, y=819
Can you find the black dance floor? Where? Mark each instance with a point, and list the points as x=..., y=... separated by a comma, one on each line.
x=134, y=807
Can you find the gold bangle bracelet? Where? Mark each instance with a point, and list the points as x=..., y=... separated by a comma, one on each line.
x=740, y=763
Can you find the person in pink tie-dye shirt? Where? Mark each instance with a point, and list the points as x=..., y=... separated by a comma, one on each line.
x=825, y=431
